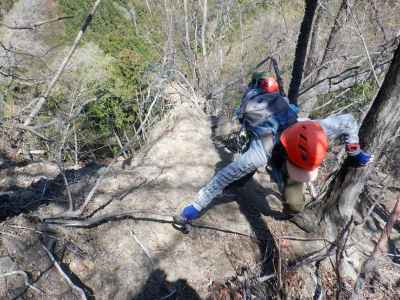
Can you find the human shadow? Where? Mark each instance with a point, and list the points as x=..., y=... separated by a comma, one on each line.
x=158, y=287
x=251, y=198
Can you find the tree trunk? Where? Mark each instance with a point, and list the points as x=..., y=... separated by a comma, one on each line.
x=301, y=49
x=377, y=131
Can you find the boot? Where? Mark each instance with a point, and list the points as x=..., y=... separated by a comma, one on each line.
x=305, y=222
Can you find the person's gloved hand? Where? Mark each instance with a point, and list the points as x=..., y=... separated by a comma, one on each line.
x=361, y=159
x=190, y=213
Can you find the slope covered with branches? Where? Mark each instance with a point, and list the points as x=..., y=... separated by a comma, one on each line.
x=114, y=113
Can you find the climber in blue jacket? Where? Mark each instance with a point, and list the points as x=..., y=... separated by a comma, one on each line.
x=295, y=148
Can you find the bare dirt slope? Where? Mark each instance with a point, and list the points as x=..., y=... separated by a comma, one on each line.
x=128, y=248
x=139, y=257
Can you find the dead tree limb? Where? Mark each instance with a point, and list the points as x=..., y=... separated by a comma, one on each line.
x=332, y=42
x=80, y=291
x=357, y=28
x=43, y=99
x=137, y=214
x=204, y=28
x=35, y=25
x=145, y=250
x=343, y=80
x=34, y=132
x=378, y=20
x=380, y=246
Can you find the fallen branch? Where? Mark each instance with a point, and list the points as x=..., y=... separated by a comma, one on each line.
x=380, y=246
x=34, y=132
x=293, y=238
x=172, y=292
x=143, y=248
x=65, y=276
x=70, y=200
x=146, y=215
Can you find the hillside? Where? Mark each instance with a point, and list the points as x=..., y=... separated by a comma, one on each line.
x=140, y=116
x=139, y=255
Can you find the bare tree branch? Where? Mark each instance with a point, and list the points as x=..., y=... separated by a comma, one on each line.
x=34, y=132
x=380, y=246
x=43, y=99
x=203, y=29
x=145, y=250
x=35, y=25
x=357, y=28
x=64, y=275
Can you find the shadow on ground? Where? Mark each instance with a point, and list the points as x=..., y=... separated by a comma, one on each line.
x=251, y=198
x=16, y=200
x=158, y=287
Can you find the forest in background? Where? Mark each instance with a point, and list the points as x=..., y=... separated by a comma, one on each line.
x=133, y=49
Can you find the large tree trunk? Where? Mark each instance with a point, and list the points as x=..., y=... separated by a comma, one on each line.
x=377, y=131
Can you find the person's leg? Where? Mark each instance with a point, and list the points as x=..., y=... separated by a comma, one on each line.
x=294, y=196
x=246, y=164
x=262, y=147
x=242, y=181
x=295, y=203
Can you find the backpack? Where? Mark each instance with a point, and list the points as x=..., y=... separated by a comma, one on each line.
x=263, y=113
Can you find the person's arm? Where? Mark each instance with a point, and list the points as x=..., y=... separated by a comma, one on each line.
x=346, y=127
x=341, y=126
x=256, y=156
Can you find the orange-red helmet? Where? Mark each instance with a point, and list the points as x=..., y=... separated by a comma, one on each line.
x=269, y=85
x=306, y=144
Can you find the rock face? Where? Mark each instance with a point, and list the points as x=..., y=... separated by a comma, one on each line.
x=142, y=257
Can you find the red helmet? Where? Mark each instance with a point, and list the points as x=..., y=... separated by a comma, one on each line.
x=306, y=144
x=269, y=85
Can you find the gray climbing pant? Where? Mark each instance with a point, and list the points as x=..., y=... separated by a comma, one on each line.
x=294, y=196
